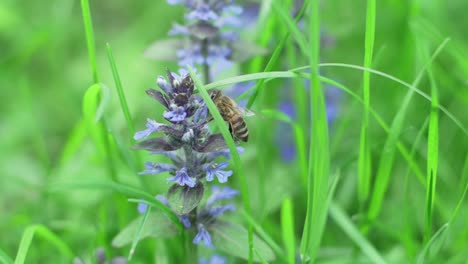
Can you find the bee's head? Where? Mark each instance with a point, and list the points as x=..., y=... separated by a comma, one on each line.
x=214, y=94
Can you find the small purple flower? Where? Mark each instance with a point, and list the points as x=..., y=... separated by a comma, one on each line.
x=156, y=168
x=142, y=207
x=221, y=194
x=165, y=86
x=185, y=221
x=177, y=114
x=151, y=127
x=216, y=211
x=215, y=259
x=179, y=30
x=204, y=13
x=216, y=169
x=203, y=235
x=182, y=178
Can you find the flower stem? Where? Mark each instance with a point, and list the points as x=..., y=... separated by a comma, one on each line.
x=206, y=67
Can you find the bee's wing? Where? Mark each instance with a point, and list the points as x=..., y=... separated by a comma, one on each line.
x=244, y=111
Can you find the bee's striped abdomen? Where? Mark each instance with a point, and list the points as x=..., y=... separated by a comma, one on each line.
x=239, y=128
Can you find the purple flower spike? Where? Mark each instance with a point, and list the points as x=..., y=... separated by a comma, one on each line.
x=221, y=194
x=177, y=114
x=182, y=178
x=203, y=235
x=204, y=13
x=156, y=168
x=216, y=169
x=151, y=127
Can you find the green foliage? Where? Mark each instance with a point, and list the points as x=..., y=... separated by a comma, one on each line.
x=69, y=111
x=232, y=239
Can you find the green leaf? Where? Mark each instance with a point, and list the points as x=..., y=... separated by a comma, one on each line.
x=183, y=199
x=157, y=225
x=232, y=239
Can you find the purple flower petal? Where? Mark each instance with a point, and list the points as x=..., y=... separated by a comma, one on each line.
x=151, y=127
x=216, y=169
x=185, y=221
x=177, y=114
x=204, y=236
x=182, y=178
x=156, y=168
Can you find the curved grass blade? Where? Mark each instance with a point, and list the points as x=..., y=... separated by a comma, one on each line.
x=299, y=136
x=274, y=57
x=264, y=235
x=433, y=245
x=387, y=157
x=120, y=91
x=238, y=168
x=45, y=234
x=88, y=25
x=4, y=258
x=343, y=221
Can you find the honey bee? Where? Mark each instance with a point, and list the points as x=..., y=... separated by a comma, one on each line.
x=231, y=113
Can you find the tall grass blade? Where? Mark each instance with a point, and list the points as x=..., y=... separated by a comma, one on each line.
x=432, y=155
x=287, y=227
x=88, y=25
x=238, y=168
x=364, y=168
x=319, y=157
x=345, y=223
x=45, y=234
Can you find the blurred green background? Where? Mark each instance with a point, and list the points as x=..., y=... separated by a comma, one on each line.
x=44, y=73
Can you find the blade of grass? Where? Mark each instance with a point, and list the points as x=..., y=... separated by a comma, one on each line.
x=126, y=112
x=364, y=164
x=88, y=25
x=4, y=258
x=136, y=239
x=345, y=223
x=387, y=157
x=238, y=168
x=319, y=156
x=433, y=245
x=432, y=155
x=299, y=137
x=121, y=93
x=273, y=59
x=45, y=234
x=287, y=228
x=264, y=235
